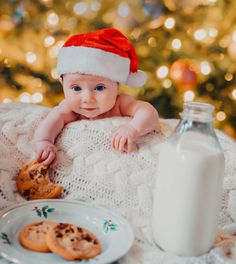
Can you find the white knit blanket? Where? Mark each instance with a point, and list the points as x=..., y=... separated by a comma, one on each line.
x=91, y=171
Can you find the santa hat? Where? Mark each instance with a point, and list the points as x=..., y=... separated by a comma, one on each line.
x=107, y=53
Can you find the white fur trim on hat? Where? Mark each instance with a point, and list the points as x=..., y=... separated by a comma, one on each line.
x=136, y=79
x=98, y=62
x=93, y=61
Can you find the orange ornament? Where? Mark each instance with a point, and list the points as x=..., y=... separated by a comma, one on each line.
x=184, y=73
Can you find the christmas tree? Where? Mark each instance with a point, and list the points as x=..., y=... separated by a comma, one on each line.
x=187, y=48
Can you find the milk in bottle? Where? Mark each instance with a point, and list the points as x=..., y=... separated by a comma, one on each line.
x=189, y=184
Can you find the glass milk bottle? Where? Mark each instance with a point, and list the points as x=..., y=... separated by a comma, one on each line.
x=189, y=181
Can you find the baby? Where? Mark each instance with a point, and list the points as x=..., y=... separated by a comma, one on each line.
x=91, y=66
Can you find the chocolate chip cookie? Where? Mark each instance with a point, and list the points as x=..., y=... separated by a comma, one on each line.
x=33, y=236
x=72, y=242
x=33, y=182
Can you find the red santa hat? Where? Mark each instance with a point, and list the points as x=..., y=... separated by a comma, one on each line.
x=107, y=53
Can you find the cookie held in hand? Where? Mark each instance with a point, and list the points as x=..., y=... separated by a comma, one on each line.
x=33, y=236
x=33, y=182
x=72, y=242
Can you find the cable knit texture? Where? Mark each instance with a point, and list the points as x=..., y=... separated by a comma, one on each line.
x=91, y=171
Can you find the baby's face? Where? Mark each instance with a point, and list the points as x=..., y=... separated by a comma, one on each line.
x=89, y=95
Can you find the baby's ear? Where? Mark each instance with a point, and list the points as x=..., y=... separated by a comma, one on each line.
x=61, y=79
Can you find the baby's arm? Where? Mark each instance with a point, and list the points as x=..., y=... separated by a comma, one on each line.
x=144, y=120
x=48, y=130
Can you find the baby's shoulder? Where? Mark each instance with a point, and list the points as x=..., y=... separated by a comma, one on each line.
x=63, y=107
x=124, y=99
x=65, y=112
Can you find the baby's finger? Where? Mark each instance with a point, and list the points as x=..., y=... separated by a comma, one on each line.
x=50, y=158
x=113, y=141
x=117, y=141
x=38, y=155
x=45, y=154
x=130, y=145
x=54, y=164
x=122, y=144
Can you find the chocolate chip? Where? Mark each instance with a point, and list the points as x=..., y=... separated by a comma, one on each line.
x=80, y=229
x=32, y=174
x=43, y=171
x=39, y=223
x=62, y=225
x=87, y=238
x=26, y=193
x=59, y=234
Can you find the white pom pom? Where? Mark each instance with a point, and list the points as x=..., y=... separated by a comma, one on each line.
x=136, y=79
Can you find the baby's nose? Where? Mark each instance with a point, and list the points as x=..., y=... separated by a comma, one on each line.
x=88, y=96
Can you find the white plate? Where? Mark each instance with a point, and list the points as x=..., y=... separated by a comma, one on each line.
x=114, y=232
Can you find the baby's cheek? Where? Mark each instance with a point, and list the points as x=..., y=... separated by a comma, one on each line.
x=74, y=103
x=110, y=102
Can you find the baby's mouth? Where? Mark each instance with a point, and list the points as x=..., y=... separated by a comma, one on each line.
x=89, y=108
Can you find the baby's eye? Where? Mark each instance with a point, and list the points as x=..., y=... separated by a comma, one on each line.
x=100, y=88
x=76, y=88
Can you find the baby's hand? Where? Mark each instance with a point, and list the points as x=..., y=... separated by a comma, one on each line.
x=46, y=152
x=123, y=139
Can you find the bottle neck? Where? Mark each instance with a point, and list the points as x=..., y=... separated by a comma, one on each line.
x=199, y=112
x=196, y=116
x=196, y=124
x=192, y=124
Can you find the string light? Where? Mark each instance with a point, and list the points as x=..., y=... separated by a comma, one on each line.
x=200, y=34
x=53, y=19
x=152, y=42
x=228, y=76
x=25, y=97
x=80, y=8
x=30, y=57
x=176, y=44
x=162, y=71
x=6, y=61
x=53, y=51
x=234, y=36
x=123, y=9
x=167, y=83
x=37, y=98
x=95, y=6
x=205, y=68
x=37, y=82
x=48, y=41
x=220, y=116
x=189, y=96
x=213, y=32
x=54, y=74
x=169, y=22
x=234, y=94
x=6, y=100
x=210, y=87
